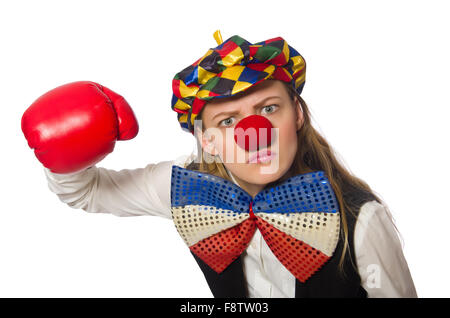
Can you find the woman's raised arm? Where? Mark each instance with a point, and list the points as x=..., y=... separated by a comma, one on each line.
x=127, y=192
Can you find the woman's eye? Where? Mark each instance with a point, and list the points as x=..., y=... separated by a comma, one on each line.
x=269, y=109
x=227, y=122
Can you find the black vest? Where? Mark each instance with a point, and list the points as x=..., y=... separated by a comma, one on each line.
x=326, y=282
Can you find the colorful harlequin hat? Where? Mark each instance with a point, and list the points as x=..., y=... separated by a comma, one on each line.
x=230, y=68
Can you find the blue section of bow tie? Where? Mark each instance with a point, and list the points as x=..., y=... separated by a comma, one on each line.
x=196, y=188
x=309, y=192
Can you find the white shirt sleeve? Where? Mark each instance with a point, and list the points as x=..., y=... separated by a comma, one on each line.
x=379, y=255
x=128, y=192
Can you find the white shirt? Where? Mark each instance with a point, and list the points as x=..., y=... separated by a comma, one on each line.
x=380, y=261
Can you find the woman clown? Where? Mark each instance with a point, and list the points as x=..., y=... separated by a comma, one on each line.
x=265, y=207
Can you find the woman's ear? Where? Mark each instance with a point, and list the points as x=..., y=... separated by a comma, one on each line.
x=299, y=113
x=206, y=142
x=209, y=148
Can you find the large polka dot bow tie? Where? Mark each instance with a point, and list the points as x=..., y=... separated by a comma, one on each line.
x=298, y=219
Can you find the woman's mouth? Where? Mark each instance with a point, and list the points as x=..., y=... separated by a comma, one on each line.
x=262, y=156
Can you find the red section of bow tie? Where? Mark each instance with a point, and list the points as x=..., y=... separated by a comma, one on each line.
x=301, y=259
x=220, y=250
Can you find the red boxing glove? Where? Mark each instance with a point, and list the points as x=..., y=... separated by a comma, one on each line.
x=74, y=126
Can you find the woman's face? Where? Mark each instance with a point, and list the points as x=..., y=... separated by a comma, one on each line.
x=269, y=99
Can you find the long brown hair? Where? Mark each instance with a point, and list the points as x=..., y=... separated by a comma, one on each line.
x=313, y=154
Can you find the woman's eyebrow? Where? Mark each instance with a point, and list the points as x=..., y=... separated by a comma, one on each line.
x=232, y=112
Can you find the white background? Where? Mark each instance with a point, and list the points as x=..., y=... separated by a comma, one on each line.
x=377, y=84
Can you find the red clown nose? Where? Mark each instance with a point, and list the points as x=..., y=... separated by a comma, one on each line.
x=253, y=132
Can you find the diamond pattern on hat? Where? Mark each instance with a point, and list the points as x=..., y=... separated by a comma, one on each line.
x=232, y=67
x=212, y=63
x=251, y=76
x=233, y=73
x=240, y=86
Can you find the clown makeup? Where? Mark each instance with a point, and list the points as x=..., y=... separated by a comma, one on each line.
x=219, y=117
